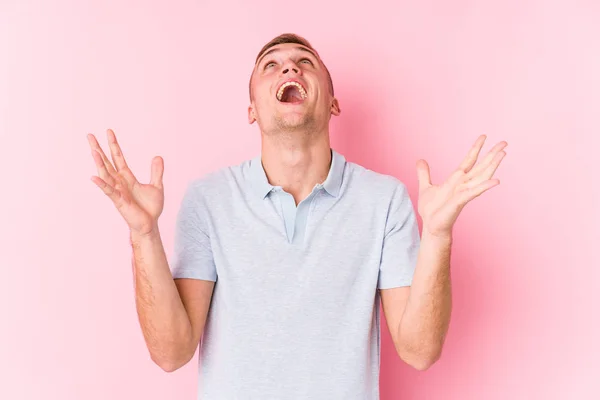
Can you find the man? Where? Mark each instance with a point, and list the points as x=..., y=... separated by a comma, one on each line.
x=280, y=262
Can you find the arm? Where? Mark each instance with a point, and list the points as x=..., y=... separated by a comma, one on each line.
x=172, y=313
x=419, y=316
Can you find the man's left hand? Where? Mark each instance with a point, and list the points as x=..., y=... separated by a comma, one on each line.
x=440, y=205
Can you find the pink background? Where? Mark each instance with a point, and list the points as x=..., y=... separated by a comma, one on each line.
x=414, y=79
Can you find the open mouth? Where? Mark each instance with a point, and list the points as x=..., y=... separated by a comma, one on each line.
x=291, y=92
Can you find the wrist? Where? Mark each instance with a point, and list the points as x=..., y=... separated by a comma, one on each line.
x=147, y=234
x=441, y=237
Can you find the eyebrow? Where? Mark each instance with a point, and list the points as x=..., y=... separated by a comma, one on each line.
x=274, y=49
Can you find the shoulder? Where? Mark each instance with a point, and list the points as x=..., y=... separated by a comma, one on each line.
x=375, y=183
x=218, y=181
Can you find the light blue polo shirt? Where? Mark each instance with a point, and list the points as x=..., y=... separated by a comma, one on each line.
x=295, y=309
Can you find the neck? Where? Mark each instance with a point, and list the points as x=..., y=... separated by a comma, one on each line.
x=296, y=162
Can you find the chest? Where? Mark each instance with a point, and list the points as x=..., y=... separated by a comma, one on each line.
x=339, y=251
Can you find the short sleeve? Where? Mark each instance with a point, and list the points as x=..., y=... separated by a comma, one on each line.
x=400, y=243
x=192, y=256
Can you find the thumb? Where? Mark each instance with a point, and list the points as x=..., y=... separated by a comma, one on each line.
x=423, y=175
x=156, y=172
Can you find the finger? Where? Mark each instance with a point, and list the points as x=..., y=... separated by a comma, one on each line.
x=103, y=172
x=96, y=146
x=488, y=172
x=455, y=179
x=469, y=194
x=489, y=158
x=423, y=175
x=156, y=172
x=473, y=154
x=108, y=190
x=118, y=158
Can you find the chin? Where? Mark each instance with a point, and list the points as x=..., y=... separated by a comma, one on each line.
x=296, y=122
x=293, y=120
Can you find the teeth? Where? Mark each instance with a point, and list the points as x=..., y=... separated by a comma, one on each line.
x=282, y=89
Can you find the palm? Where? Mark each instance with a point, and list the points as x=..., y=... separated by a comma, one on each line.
x=440, y=205
x=139, y=204
x=433, y=202
x=149, y=198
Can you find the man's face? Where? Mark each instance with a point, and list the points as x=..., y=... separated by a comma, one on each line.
x=291, y=91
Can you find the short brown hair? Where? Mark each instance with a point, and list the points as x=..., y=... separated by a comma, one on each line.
x=289, y=38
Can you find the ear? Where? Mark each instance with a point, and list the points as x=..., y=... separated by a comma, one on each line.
x=251, y=114
x=335, y=107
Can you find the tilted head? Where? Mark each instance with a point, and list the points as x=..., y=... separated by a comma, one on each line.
x=291, y=88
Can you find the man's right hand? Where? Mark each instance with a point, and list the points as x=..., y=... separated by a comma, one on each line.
x=139, y=204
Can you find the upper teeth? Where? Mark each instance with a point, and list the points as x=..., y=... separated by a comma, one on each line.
x=299, y=86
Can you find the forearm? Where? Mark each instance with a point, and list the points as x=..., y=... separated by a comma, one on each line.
x=426, y=318
x=164, y=321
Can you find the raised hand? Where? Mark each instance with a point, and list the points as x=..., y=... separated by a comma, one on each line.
x=440, y=205
x=140, y=204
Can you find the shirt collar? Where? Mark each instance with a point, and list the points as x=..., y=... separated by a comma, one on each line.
x=332, y=183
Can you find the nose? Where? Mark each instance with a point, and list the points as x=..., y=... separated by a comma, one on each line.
x=290, y=67
x=286, y=70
